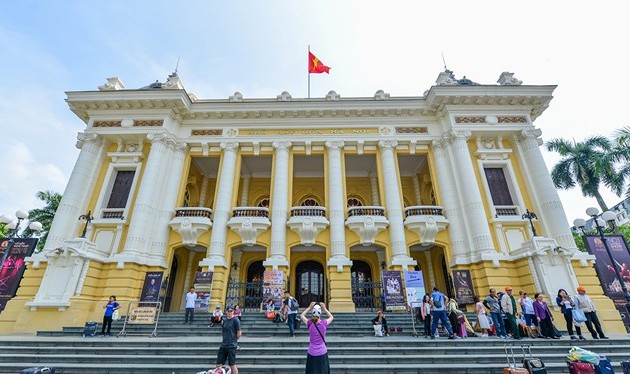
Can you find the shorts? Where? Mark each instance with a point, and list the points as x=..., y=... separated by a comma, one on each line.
x=226, y=354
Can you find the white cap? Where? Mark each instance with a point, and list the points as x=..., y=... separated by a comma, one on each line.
x=317, y=310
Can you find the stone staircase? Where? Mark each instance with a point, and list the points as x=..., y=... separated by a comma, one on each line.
x=266, y=348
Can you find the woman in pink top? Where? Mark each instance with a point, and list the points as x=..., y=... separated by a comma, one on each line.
x=317, y=356
x=425, y=314
x=482, y=317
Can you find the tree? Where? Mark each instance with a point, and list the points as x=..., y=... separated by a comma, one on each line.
x=44, y=215
x=587, y=164
x=621, y=154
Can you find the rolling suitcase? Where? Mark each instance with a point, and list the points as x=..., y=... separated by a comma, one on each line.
x=576, y=367
x=533, y=365
x=90, y=329
x=511, y=360
x=604, y=366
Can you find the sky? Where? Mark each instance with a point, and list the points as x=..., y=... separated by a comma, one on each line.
x=259, y=48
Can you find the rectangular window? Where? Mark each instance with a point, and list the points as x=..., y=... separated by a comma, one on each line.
x=498, y=185
x=121, y=189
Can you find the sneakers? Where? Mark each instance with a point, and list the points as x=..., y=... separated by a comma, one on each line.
x=452, y=337
x=604, y=337
x=573, y=337
x=581, y=337
x=484, y=335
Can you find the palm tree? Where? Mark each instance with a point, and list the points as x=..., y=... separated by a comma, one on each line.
x=587, y=164
x=44, y=215
x=621, y=154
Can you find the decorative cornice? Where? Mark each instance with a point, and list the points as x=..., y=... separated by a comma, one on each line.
x=107, y=124
x=471, y=119
x=512, y=119
x=211, y=132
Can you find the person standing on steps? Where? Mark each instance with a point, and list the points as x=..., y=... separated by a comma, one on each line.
x=438, y=304
x=191, y=297
x=425, y=313
x=290, y=310
x=584, y=302
x=317, y=356
x=567, y=305
x=508, y=303
x=111, y=306
x=492, y=302
x=231, y=332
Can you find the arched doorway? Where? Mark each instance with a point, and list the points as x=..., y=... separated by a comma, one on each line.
x=254, y=286
x=309, y=280
x=171, y=284
x=364, y=289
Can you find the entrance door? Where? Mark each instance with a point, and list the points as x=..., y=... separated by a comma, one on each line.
x=309, y=282
x=171, y=283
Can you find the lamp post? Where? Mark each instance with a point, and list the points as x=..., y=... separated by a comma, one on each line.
x=531, y=217
x=605, y=224
x=15, y=227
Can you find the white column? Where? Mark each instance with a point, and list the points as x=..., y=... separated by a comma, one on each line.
x=427, y=255
x=222, y=208
x=376, y=200
x=279, y=205
x=244, y=200
x=147, y=201
x=398, y=243
x=79, y=188
x=450, y=201
x=336, y=208
x=176, y=155
x=550, y=210
x=203, y=193
x=416, y=189
x=472, y=203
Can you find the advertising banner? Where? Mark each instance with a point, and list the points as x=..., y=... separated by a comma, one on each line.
x=273, y=284
x=393, y=289
x=142, y=315
x=203, y=288
x=152, y=286
x=606, y=272
x=13, y=251
x=414, y=286
x=464, y=290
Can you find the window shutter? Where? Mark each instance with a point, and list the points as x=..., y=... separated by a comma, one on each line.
x=499, y=189
x=121, y=189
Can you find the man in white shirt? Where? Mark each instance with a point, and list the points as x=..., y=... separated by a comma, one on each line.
x=191, y=296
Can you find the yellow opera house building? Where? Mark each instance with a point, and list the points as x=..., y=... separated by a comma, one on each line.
x=331, y=191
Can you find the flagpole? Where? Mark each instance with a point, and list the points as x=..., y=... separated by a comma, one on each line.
x=308, y=72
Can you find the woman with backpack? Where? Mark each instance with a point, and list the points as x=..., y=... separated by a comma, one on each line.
x=317, y=356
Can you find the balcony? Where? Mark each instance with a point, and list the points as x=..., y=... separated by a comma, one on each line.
x=426, y=221
x=113, y=213
x=367, y=222
x=190, y=223
x=308, y=222
x=507, y=211
x=249, y=222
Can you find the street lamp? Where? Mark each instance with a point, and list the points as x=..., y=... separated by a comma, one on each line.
x=531, y=216
x=15, y=227
x=604, y=224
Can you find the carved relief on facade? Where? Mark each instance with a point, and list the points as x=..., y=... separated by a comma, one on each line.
x=148, y=123
x=412, y=130
x=107, y=124
x=211, y=132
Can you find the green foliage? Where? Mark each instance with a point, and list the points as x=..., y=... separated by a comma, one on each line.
x=44, y=215
x=623, y=230
x=579, y=241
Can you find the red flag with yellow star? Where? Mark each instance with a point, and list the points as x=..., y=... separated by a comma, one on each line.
x=315, y=66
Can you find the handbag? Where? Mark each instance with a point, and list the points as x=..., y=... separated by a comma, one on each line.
x=270, y=315
x=578, y=315
x=116, y=315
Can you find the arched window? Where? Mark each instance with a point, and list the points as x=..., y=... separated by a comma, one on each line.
x=360, y=271
x=263, y=202
x=354, y=201
x=310, y=201
x=186, y=202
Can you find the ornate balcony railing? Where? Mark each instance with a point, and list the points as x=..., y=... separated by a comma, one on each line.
x=507, y=210
x=366, y=211
x=250, y=212
x=194, y=212
x=308, y=211
x=424, y=210
x=113, y=213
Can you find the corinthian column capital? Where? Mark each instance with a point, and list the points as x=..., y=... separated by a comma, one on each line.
x=229, y=146
x=83, y=138
x=281, y=145
x=334, y=145
x=387, y=144
x=530, y=134
x=460, y=134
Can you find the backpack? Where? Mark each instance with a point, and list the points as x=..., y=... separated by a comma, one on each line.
x=38, y=370
x=293, y=305
x=437, y=302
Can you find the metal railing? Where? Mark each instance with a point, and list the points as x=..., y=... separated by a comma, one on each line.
x=250, y=212
x=367, y=296
x=194, y=212
x=507, y=210
x=308, y=211
x=424, y=210
x=366, y=211
x=111, y=213
x=247, y=295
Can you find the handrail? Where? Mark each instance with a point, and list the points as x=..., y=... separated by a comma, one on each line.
x=424, y=210
x=250, y=211
x=366, y=211
x=308, y=211
x=193, y=212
